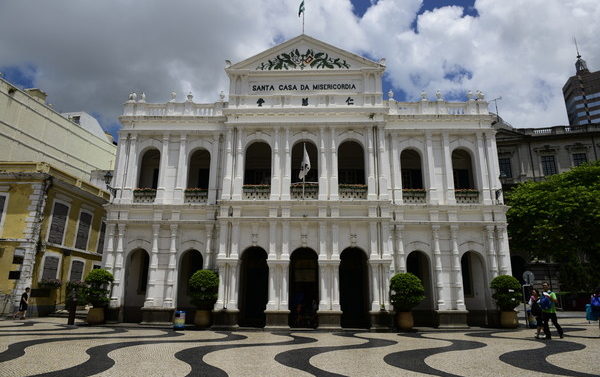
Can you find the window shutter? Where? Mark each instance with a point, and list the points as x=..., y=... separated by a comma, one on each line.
x=83, y=231
x=50, y=268
x=100, y=248
x=76, y=270
x=59, y=220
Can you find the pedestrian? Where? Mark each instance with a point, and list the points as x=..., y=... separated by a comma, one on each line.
x=548, y=303
x=536, y=311
x=23, y=304
x=595, y=304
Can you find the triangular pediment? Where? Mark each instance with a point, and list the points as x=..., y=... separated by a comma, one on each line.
x=307, y=54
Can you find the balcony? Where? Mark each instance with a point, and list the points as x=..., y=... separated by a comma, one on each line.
x=144, y=195
x=411, y=196
x=352, y=191
x=466, y=196
x=256, y=192
x=195, y=195
x=303, y=191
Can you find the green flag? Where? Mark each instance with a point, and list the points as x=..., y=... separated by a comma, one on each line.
x=301, y=9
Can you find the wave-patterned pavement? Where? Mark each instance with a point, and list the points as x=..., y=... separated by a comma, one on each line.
x=48, y=347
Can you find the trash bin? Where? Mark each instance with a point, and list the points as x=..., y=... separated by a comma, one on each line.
x=179, y=320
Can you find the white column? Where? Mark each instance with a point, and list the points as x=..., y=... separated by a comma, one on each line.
x=182, y=166
x=239, y=167
x=233, y=287
x=117, y=288
x=335, y=305
x=459, y=295
x=109, y=262
x=325, y=289
x=276, y=189
x=215, y=166
x=396, y=169
x=435, y=193
x=437, y=258
x=323, y=188
x=208, y=262
x=400, y=257
x=169, y=299
x=481, y=170
x=164, y=164
x=503, y=250
x=333, y=181
x=272, y=295
x=375, y=291
x=448, y=171
x=132, y=167
x=153, y=267
x=384, y=168
x=371, y=183
x=287, y=166
x=489, y=230
x=228, y=168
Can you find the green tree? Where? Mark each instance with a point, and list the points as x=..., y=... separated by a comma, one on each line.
x=559, y=219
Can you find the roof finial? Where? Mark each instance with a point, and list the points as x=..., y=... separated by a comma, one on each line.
x=580, y=64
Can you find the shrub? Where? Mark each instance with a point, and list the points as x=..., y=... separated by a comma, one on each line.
x=96, y=292
x=406, y=291
x=508, y=292
x=204, y=289
x=49, y=283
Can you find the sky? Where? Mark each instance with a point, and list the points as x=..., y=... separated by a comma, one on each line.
x=89, y=55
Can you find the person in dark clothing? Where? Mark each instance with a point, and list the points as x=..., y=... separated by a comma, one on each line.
x=23, y=305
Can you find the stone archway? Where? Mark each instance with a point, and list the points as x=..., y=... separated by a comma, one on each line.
x=304, y=288
x=254, y=288
x=190, y=262
x=354, y=289
x=136, y=282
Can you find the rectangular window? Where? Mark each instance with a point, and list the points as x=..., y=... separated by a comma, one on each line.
x=505, y=168
x=579, y=159
x=18, y=256
x=14, y=275
x=83, y=230
x=50, y=268
x=59, y=222
x=76, y=270
x=100, y=247
x=548, y=165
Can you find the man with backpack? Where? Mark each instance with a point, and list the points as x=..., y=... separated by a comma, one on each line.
x=548, y=303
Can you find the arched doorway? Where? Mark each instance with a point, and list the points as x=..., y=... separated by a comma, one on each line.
x=417, y=264
x=475, y=287
x=136, y=281
x=304, y=288
x=190, y=262
x=354, y=289
x=254, y=288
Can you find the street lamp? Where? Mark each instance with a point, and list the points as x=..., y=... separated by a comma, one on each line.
x=107, y=180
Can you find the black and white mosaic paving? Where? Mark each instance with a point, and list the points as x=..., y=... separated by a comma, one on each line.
x=48, y=347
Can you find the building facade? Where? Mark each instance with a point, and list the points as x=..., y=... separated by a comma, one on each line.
x=52, y=217
x=306, y=192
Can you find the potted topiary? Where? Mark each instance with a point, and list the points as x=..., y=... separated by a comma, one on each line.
x=204, y=290
x=406, y=292
x=96, y=293
x=508, y=296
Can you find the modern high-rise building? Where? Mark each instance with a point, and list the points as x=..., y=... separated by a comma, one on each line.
x=582, y=95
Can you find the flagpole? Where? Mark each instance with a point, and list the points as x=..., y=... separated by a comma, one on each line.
x=303, y=22
x=304, y=175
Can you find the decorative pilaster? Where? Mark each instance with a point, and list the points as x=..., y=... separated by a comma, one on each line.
x=437, y=258
x=458, y=296
x=149, y=302
x=117, y=288
x=491, y=250
x=171, y=268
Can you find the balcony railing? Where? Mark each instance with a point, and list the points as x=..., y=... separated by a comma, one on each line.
x=466, y=196
x=414, y=195
x=195, y=195
x=256, y=192
x=144, y=195
x=352, y=191
x=304, y=191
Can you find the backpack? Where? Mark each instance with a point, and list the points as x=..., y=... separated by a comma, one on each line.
x=535, y=309
x=545, y=302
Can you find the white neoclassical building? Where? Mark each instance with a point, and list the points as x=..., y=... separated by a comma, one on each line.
x=391, y=187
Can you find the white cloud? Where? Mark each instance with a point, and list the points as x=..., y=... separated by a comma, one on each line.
x=90, y=55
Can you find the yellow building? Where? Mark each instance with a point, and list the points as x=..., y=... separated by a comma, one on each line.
x=52, y=230
x=51, y=198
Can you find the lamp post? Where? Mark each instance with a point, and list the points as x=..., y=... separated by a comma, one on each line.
x=107, y=180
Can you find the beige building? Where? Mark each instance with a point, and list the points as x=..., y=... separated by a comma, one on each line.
x=52, y=215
